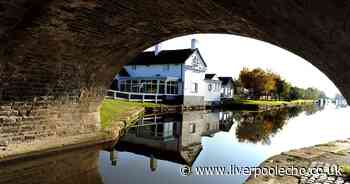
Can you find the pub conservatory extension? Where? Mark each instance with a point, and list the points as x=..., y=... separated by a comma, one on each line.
x=170, y=76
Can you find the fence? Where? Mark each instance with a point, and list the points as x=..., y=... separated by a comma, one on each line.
x=142, y=97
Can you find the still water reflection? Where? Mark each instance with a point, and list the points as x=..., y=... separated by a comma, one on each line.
x=157, y=147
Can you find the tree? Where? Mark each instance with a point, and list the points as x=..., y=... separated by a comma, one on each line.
x=314, y=94
x=282, y=88
x=246, y=79
x=270, y=83
x=237, y=87
x=258, y=81
x=294, y=93
x=267, y=83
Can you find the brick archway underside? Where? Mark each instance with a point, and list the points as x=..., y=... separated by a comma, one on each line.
x=57, y=57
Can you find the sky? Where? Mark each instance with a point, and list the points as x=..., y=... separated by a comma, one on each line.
x=226, y=55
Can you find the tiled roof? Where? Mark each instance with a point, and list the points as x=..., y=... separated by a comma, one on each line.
x=225, y=80
x=209, y=76
x=123, y=73
x=164, y=57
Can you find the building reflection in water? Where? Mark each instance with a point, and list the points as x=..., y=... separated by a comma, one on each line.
x=113, y=157
x=177, y=137
x=173, y=137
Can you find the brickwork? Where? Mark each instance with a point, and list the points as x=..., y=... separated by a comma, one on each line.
x=58, y=57
x=25, y=122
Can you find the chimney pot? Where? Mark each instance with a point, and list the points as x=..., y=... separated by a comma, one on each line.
x=194, y=43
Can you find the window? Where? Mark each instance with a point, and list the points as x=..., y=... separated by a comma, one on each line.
x=151, y=86
x=195, y=88
x=208, y=127
x=217, y=87
x=161, y=87
x=143, y=86
x=128, y=86
x=210, y=87
x=192, y=128
x=148, y=86
x=135, y=86
x=166, y=67
x=122, y=85
x=133, y=67
x=172, y=87
x=168, y=131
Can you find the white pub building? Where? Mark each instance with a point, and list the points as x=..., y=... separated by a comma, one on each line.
x=170, y=76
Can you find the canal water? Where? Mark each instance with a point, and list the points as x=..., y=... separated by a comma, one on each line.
x=157, y=148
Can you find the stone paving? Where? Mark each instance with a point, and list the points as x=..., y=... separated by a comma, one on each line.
x=321, y=164
x=327, y=174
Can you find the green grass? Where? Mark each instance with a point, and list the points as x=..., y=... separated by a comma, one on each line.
x=116, y=110
x=113, y=110
x=302, y=101
x=270, y=102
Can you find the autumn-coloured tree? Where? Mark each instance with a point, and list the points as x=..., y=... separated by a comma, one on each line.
x=253, y=80
x=246, y=78
x=258, y=81
x=270, y=85
x=266, y=83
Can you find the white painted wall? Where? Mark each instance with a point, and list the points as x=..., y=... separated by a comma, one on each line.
x=202, y=122
x=193, y=71
x=214, y=94
x=191, y=78
x=153, y=70
x=227, y=90
x=192, y=58
x=194, y=75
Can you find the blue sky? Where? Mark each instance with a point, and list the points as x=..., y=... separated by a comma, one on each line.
x=226, y=55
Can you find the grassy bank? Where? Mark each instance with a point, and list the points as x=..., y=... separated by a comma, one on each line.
x=262, y=104
x=270, y=102
x=119, y=110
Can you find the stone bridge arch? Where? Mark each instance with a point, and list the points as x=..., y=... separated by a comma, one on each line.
x=58, y=57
